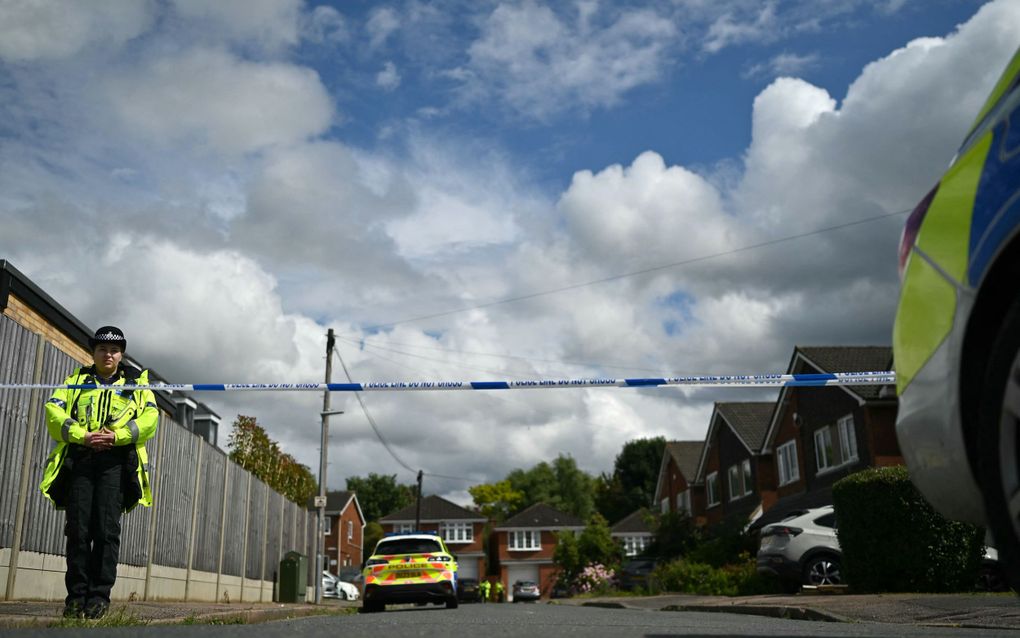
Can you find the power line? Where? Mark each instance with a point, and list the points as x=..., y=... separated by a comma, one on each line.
x=443, y=361
x=635, y=273
x=382, y=439
x=366, y=341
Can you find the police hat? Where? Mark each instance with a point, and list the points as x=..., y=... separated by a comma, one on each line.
x=109, y=334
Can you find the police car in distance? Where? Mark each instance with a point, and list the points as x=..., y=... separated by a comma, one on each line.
x=409, y=567
x=956, y=340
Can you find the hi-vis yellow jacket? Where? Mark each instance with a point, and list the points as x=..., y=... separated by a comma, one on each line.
x=131, y=415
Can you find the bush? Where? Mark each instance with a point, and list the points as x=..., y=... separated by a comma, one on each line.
x=689, y=577
x=894, y=541
x=595, y=579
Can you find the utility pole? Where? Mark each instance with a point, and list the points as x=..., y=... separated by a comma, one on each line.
x=320, y=502
x=417, y=513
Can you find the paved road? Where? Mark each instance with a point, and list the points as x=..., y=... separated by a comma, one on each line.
x=528, y=621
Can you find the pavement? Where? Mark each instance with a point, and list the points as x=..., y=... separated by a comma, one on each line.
x=982, y=611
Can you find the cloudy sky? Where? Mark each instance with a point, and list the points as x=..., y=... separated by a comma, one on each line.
x=479, y=190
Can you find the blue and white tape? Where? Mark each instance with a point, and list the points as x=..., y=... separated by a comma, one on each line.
x=704, y=381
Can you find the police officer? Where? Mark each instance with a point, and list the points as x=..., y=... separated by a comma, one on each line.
x=499, y=591
x=98, y=468
x=484, y=588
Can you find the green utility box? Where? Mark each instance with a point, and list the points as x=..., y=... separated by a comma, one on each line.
x=293, y=577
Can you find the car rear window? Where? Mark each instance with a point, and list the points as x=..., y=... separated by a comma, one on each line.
x=829, y=520
x=409, y=546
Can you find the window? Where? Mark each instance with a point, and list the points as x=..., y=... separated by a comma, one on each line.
x=733, y=480
x=831, y=453
x=847, y=439
x=664, y=505
x=350, y=530
x=525, y=540
x=327, y=525
x=824, y=454
x=403, y=527
x=739, y=479
x=712, y=488
x=457, y=532
x=786, y=455
x=634, y=545
x=745, y=468
x=683, y=502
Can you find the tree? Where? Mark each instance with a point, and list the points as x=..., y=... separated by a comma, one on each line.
x=496, y=500
x=632, y=483
x=373, y=532
x=561, y=485
x=380, y=495
x=252, y=449
x=674, y=535
x=596, y=543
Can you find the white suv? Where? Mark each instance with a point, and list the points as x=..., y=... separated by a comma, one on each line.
x=802, y=549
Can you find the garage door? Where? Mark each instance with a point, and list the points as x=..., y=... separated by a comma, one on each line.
x=515, y=573
x=467, y=568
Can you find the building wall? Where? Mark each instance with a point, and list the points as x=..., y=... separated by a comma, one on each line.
x=28, y=318
x=822, y=407
x=881, y=433
x=350, y=547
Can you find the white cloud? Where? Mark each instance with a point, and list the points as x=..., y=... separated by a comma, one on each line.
x=33, y=30
x=787, y=64
x=271, y=23
x=382, y=23
x=728, y=30
x=388, y=79
x=540, y=65
x=212, y=98
x=325, y=24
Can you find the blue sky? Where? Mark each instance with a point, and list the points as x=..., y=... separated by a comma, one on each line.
x=227, y=180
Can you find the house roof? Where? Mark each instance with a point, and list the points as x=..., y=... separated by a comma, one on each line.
x=791, y=504
x=686, y=455
x=541, y=516
x=849, y=359
x=834, y=359
x=749, y=420
x=337, y=501
x=433, y=508
x=635, y=522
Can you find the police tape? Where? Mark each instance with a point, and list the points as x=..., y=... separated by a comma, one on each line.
x=704, y=381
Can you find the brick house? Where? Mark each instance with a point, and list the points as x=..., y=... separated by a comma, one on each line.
x=526, y=543
x=676, y=489
x=633, y=532
x=345, y=531
x=462, y=529
x=818, y=435
x=737, y=478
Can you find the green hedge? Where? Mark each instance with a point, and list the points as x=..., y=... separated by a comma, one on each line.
x=688, y=577
x=894, y=541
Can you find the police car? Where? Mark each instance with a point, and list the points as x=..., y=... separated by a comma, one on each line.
x=956, y=340
x=414, y=567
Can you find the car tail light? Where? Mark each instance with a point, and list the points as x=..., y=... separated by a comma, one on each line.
x=910, y=228
x=782, y=530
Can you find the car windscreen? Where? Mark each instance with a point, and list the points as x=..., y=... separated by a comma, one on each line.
x=409, y=546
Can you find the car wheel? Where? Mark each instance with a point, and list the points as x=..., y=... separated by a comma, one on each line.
x=372, y=607
x=999, y=443
x=822, y=569
x=451, y=603
x=341, y=594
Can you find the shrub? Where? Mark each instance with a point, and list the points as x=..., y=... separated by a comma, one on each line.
x=595, y=579
x=893, y=540
x=688, y=577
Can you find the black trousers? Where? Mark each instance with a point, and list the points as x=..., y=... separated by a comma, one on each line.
x=94, y=507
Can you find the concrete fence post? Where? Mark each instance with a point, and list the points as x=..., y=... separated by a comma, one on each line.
x=244, y=536
x=153, y=519
x=223, y=525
